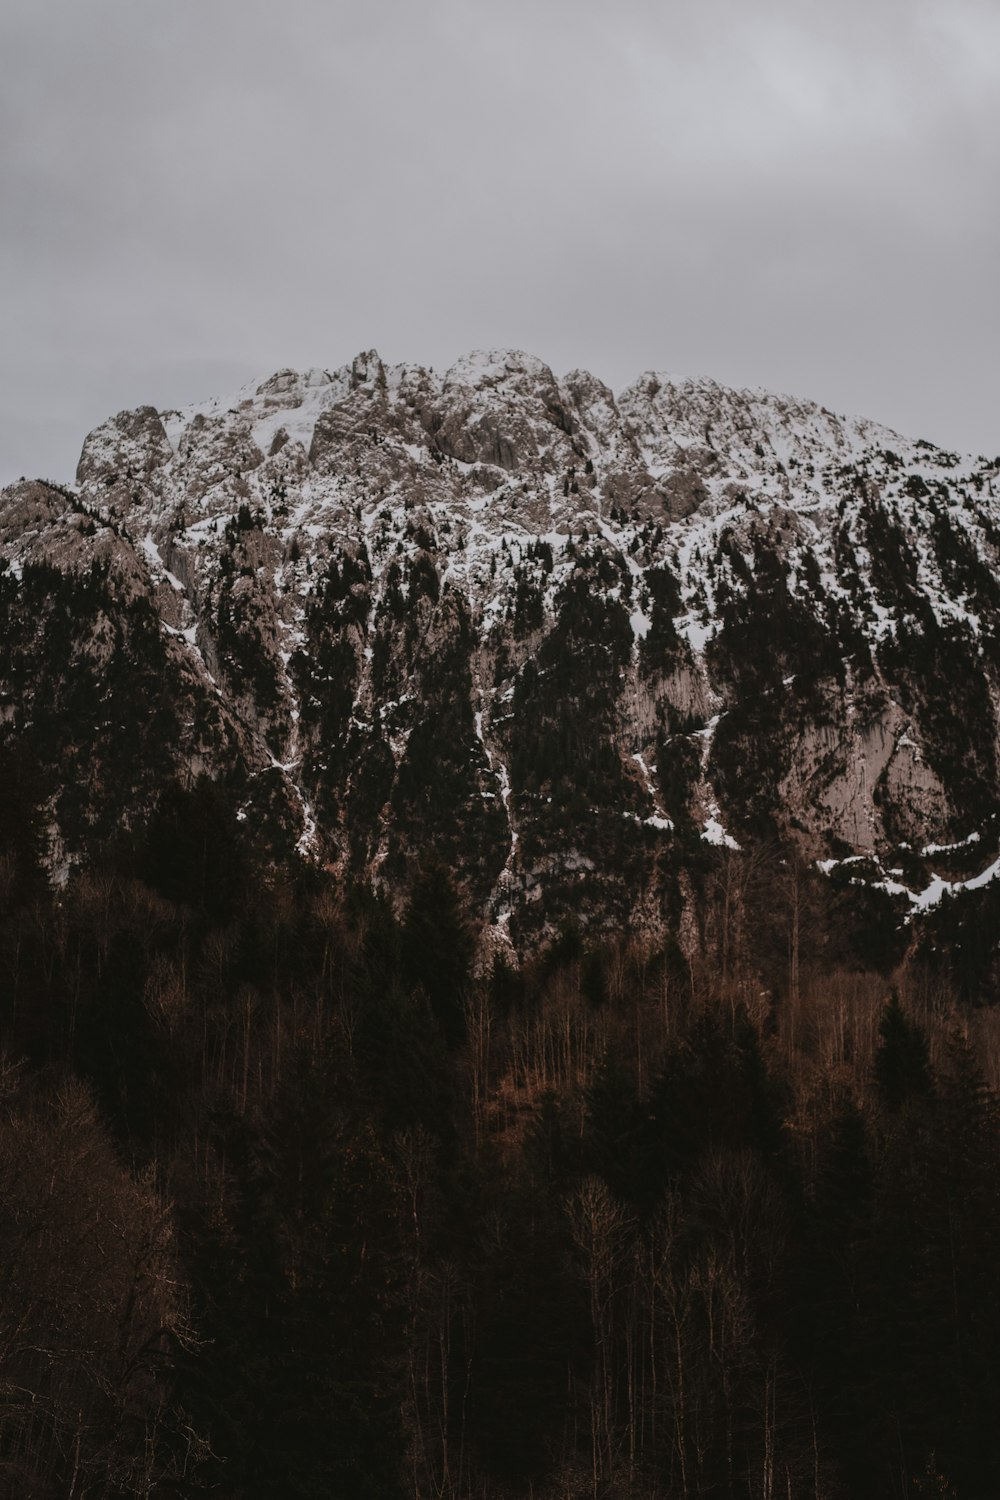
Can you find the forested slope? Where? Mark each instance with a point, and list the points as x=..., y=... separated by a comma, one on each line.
x=296, y=1203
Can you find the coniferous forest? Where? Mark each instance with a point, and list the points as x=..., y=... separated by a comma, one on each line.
x=299, y=1197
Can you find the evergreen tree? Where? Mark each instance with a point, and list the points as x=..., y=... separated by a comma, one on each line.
x=902, y=1060
x=437, y=947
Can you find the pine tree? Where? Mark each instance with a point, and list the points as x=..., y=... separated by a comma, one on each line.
x=902, y=1061
x=438, y=947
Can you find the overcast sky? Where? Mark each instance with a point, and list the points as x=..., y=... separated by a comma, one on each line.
x=788, y=194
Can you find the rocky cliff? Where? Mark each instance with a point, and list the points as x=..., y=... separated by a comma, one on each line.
x=570, y=640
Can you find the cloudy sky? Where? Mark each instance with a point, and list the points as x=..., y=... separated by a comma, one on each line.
x=787, y=194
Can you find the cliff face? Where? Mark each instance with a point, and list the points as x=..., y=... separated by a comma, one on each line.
x=568, y=639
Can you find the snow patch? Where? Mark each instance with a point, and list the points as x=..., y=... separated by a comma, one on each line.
x=640, y=623
x=153, y=555
x=697, y=633
x=972, y=838
x=659, y=818
x=714, y=833
x=936, y=889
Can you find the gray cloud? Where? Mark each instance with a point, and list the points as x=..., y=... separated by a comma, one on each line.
x=792, y=194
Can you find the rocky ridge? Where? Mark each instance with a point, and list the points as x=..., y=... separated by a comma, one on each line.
x=573, y=641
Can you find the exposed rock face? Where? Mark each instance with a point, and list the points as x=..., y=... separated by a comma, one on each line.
x=131, y=445
x=565, y=637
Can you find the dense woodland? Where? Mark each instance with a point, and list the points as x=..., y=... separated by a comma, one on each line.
x=301, y=1195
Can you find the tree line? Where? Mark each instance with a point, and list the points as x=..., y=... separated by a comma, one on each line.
x=304, y=1194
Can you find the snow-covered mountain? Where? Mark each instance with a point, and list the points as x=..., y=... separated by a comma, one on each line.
x=571, y=640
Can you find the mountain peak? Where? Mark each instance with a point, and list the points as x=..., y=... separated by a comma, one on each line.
x=542, y=627
x=483, y=369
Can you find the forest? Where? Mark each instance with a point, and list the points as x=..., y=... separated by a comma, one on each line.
x=311, y=1191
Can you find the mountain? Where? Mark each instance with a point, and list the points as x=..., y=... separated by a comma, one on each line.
x=568, y=640
x=498, y=958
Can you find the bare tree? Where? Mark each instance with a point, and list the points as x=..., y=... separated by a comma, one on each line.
x=89, y=1306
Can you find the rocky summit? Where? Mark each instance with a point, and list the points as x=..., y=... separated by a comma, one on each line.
x=568, y=639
